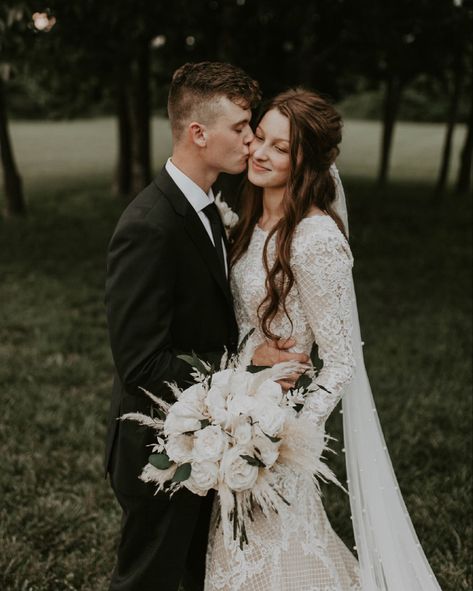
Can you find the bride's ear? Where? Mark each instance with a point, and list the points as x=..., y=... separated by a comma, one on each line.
x=198, y=134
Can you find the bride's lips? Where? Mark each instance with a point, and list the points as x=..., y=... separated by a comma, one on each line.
x=257, y=168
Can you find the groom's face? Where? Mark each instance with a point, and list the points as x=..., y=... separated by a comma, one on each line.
x=228, y=137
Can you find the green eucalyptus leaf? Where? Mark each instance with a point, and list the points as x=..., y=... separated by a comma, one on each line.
x=241, y=346
x=187, y=358
x=182, y=473
x=253, y=461
x=160, y=461
x=256, y=368
x=273, y=439
x=304, y=381
x=199, y=366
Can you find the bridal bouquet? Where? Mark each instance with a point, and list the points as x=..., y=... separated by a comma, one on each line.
x=237, y=432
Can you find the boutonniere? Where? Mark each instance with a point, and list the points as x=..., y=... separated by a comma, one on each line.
x=229, y=217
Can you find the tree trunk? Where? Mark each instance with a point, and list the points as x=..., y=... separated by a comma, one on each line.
x=392, y=101
x=122, y=180
x=15, y=203
x=451, y=122
x=140, y=121
x=466, y=159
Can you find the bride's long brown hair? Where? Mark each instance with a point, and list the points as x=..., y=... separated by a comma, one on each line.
x=315, y=132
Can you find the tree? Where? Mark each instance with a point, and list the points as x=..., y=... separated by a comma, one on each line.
x=13, y=27
x=456, y=58
x=391, y=45
x=466, y=159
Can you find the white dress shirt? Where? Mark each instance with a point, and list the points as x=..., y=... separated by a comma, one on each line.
x=196, y=197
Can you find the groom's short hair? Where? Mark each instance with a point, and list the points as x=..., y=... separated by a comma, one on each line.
x=195, y=86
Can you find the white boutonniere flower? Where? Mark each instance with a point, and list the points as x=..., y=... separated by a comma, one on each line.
x=229, y=217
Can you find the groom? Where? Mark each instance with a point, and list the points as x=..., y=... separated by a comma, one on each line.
x=167, y=293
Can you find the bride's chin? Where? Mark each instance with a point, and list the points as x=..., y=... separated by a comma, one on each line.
x=254, y=180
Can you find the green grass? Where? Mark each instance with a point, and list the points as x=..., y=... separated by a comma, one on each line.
x=58, y=519
x=69, y=150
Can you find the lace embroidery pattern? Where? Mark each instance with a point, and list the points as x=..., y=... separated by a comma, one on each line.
x=297, y=551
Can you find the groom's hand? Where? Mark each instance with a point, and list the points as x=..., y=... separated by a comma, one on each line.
x=271, y=352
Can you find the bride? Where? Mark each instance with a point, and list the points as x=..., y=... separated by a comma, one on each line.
x=291, y=278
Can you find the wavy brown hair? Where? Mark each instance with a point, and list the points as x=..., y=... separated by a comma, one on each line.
x=315, y=133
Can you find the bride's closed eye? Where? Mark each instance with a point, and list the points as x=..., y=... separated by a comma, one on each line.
x=281, y=149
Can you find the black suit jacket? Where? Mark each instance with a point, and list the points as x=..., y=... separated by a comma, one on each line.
x=166, y=294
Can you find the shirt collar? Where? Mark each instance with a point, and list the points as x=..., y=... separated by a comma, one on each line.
x=193, y=193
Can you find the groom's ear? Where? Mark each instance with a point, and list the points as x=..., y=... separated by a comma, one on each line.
x=198, y=134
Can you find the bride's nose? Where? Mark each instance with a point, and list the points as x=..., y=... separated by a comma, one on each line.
x=258, y=152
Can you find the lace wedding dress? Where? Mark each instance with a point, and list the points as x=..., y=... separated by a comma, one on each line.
x=296, y=550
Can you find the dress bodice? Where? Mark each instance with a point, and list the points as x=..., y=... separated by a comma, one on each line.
x=319, y=304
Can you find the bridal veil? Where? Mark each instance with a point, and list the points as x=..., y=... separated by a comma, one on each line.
x=389, y=553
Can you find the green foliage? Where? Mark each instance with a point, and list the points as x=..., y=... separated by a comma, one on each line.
x=194, y=361
x=59, y=521
x=182, y=473
x=160, y=461
x=253, y=461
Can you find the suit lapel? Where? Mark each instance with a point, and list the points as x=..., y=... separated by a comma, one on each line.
x=194, y=229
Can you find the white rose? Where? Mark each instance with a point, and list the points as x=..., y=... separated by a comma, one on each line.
x=216, y=404
x=270, y=390
x=243, y=432
x=179, y=448
x=240, y=404
x=222, y=379
x=269, y=416
x=230, y=218
x=204, y=476
x=194, y=395
x=209, y=444
x=240, y=382
x=237, y=473
x=267, y=451
x=182, y=418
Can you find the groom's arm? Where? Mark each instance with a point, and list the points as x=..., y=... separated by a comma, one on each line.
x=139, y=301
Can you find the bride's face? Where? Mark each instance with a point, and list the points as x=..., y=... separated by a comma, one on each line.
x=269, y=162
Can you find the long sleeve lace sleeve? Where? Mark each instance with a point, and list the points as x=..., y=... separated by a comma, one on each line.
x=322, y=263
x=245, y=326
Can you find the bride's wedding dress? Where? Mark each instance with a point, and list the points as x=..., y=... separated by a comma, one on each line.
x=296, y=550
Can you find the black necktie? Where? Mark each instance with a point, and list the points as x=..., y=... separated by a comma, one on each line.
x=213, y=215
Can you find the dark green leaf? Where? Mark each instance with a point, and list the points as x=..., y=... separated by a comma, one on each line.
x=187, y=358
x=256, y=368
x=200, y=367
x=323, y=388
x=194, y=362
x=245, y=340
x=304, y=381
x=158, y=412
x=182, y=473
x=160, y=461
x=253, y=461
x=273, y=439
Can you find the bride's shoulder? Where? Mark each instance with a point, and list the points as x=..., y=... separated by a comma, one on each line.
x=318, y=235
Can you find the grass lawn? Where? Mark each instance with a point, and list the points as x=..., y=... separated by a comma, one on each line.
x=85, y=148
x=58, y=518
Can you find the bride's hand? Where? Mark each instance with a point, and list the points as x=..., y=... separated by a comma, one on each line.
x=272, y=352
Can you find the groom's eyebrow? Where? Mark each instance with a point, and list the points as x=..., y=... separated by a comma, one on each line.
x=242, y=122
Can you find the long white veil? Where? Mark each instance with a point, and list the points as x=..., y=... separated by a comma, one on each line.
x=389, y=553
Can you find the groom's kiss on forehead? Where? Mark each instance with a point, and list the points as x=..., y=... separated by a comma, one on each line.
x=209, y=109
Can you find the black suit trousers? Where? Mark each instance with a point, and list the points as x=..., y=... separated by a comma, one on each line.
x=163, y=542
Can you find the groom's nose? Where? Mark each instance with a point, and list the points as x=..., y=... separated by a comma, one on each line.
x=249, y=135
